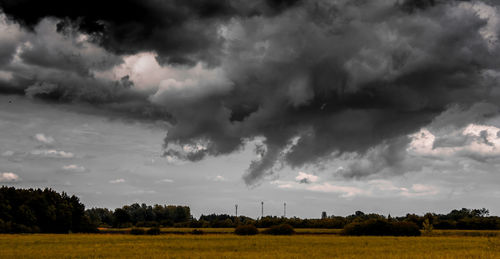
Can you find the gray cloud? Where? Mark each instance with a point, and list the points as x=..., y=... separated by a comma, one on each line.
x=62, y=68
x=310, y=80
x=341, y=77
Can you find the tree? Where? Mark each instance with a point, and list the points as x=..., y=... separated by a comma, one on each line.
x=122, y=218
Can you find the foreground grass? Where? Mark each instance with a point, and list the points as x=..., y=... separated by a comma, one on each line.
x=232, y=246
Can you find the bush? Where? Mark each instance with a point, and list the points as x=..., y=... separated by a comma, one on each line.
x=137, y=231
x=197, y=232
x=153, y=231
x=282, y=229
x=405, y=229
x=381, y=227
x=246, y=230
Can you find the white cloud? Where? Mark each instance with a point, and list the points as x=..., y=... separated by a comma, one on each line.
x=74, y=168
x=52, y=153
x=384, y=185
x=44, y=139
x=482, y=140
x=345, y=191
x=418, y=190
x=218, y=178
x=201, y=83
x=166, y=180
x=8, y=177
x=306, y=178
x=170, y=82
x=373, y=188
x=121, y=180
x=285, y=186
x=490, y=14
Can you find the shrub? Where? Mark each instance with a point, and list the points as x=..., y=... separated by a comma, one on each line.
x=197, y=232
x=153, y=231
x=427, y=226
x=381, y=227
x=137, y=231
x=246, y=230
x=405, y=229
x=282, y=229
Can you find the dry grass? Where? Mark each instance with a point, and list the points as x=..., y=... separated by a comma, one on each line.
x=232, y=246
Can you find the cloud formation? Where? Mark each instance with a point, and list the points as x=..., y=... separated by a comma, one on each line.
x=372, y=188
x=44, y=139
x=9, y=177
x=310, y=81
x=306, y=178
x=181, y=32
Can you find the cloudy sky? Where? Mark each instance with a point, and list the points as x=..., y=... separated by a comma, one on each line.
x=382, y=106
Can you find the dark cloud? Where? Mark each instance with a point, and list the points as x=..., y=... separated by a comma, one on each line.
x=389, y=158
x=412, y=5
x=180, y=32
x=313, y=89
x=308, y=80
x=61, y=68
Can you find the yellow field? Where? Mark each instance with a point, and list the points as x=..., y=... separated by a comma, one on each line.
x=232, y=246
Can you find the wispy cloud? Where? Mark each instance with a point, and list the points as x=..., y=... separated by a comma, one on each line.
x=419, y=190
x=51, y=153
x=166, y=180
x=345, y=191
x=120, y=180
x=373, y=188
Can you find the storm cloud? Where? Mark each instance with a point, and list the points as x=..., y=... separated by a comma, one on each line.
x=308, y=81
x=180, y=32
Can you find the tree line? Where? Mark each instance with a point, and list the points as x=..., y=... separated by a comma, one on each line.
x=47, y=211
x=179, y=216
x=141, y=216
x=466, y=219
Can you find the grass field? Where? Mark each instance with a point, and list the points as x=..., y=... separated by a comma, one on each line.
x=232, y=246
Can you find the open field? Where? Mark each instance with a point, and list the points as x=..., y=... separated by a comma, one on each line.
x=232, y=246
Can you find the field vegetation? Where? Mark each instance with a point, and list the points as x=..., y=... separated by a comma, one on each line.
x=169, y=231
x=233, y=246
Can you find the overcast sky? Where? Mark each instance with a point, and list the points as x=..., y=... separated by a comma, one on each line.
x=328, y=105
